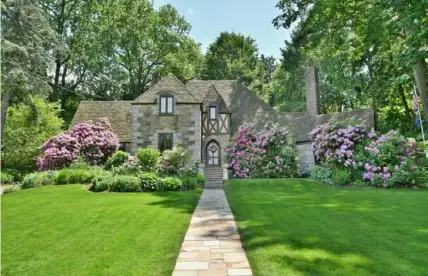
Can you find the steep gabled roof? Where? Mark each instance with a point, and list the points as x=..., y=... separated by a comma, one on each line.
x=117, y=112
x=213, y=96
x=171, y=84
x=244, y=105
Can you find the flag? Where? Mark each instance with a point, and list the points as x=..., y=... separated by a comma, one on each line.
x=415, y=103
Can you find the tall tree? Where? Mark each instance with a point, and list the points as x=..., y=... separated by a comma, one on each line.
x=233, y=56
x=26, y=41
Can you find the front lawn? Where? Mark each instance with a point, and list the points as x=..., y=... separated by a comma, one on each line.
x=67, y=230
x=300, y=227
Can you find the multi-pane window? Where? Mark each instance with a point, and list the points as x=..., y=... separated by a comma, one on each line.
x=166, y=105
x=165, y=141
x=213, y=112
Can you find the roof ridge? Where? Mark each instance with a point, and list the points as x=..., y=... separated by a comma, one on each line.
x=182, y=84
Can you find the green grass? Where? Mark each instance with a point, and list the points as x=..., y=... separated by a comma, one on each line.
x=300, y=227
x=67, y=230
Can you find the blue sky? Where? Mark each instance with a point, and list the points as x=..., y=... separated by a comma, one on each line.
x=249, y=17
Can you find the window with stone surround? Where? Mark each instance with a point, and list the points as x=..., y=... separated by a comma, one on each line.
x=166, y=105
x=165, y=141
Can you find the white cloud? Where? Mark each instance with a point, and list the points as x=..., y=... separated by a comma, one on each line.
x=190, y=11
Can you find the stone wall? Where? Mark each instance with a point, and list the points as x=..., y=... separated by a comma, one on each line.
x=185, y=125
x=305, y=156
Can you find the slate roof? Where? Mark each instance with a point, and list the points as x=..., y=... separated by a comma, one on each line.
x=213, y=96
x=171, y=84
x=117, y=112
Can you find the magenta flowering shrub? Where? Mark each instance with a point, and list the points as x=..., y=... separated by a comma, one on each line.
x=391, y=160
x=95, y=142
x=334, y=144
x=269, y=153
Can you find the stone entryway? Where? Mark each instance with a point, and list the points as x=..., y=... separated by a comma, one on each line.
x=212, y=245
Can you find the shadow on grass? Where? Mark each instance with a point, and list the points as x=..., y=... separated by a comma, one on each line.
x=300, y=227
x=185, y=201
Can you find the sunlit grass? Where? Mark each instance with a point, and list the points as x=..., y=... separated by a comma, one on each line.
x=67, y=230
x=300, y=227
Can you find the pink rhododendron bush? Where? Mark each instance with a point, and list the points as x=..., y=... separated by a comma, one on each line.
x=270, y=153
x=349, y=155
x=95, y=142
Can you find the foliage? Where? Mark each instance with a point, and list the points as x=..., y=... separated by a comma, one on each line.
x=174, y=162
x=80, y=176
x=269, y=153
x=125, y=183
x=332, y=143
x=28, y=125
x=391, y=160
x=341, y=177
x=148, y=158
x=200, y=179
x=151, y=182
x=81, y=164
x=6, y=178
x=172, y=183
x=191, y=182
x=351, y=155
x=93, y=141
x=365, y=55
x=129, y=168
x=320, y=172
x=233, y=56
x=37, y=179
x=117, y=159
x=102, y=182
x=11, y=189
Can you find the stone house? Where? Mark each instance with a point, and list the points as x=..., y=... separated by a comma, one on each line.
x=202, y=116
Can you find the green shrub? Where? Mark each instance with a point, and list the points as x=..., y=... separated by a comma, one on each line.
x=127, y=169
x=341, y=177
x=102, y=182
x=11, y=189
x=148, y=159
x=172, y=183
x=125, y=183
x=18, y=175
x=117, y=159
x=189, y=182
x=150, y=182
x=6, y=178
x=321, y=173
x=37, y=179
x=200, y=179
x=173, y=161
x=80, y=164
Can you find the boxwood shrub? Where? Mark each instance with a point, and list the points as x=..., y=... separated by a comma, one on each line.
x=125, y=183
x=150, y=182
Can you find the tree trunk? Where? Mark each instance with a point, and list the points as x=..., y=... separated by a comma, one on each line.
x=421, y=83
x=4, y=105
x=406, y=107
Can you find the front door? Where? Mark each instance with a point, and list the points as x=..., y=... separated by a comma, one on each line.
x=213, y=154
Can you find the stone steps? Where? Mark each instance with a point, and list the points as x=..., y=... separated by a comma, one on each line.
x=213, y=177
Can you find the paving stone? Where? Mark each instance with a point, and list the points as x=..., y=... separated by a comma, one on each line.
x=239, y=272
x=191, y=265
x=212, y=246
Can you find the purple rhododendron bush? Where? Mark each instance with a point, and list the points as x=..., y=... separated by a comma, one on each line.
x=95, y=142
x=349, y=155
x=270, y=153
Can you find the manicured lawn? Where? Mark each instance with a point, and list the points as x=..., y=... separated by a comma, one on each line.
x=67, y=230
x=300, y=227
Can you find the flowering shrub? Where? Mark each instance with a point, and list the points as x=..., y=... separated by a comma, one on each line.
x=333, y=144
x=390, y=160
x=174, y=161
x=365, y=158
x=269, y=153
x=95, y=142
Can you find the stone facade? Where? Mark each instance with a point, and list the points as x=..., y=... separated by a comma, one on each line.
x=138, y=123
x=184, y=124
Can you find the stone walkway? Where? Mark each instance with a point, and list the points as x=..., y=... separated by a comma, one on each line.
x=212, y=245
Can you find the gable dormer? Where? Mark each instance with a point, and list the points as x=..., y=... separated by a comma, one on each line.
x=215, y=114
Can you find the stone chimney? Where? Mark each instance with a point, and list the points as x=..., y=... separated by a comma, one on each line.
x=156, y=77
x=312, y=91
